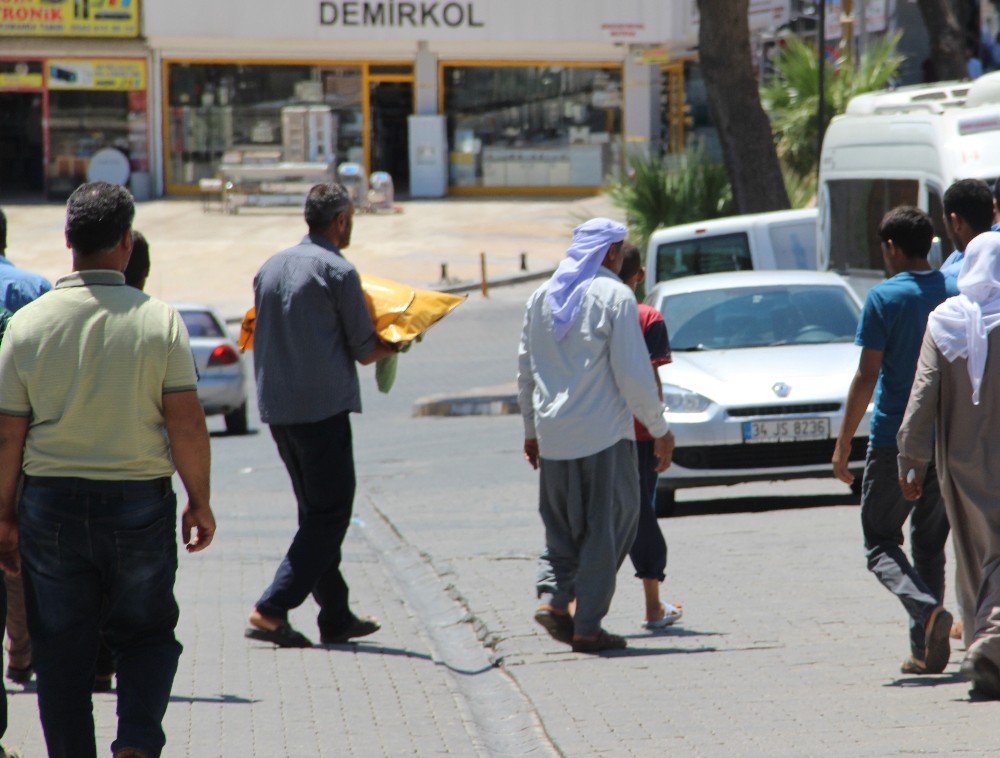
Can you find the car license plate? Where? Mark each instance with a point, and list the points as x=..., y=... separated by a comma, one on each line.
x=786, y=430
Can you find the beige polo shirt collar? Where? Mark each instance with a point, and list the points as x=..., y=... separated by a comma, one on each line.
x=90, y=277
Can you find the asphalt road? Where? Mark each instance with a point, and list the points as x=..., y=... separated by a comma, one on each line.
x=788, y=646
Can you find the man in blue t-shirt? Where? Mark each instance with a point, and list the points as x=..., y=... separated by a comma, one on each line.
x=890, y=334
x=968, y=212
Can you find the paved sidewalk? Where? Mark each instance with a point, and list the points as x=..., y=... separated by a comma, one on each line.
x=211, y=258
x=388, y=695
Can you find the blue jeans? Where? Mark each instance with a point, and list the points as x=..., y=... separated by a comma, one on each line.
x=3, y=690
x=100, y=557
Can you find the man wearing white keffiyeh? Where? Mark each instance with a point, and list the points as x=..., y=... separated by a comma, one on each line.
x=583, y=373
x=954, y=412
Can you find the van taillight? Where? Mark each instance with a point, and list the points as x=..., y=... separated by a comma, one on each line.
x=223, y=355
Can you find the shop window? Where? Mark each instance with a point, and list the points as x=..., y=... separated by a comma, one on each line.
x=518, y=126
x=238, y=112
x=856, y=208
x=83, y=122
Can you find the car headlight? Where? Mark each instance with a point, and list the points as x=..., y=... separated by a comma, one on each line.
x=680, y=400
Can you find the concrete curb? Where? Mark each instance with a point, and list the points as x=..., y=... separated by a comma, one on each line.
x=481, y=401
x=452, y=289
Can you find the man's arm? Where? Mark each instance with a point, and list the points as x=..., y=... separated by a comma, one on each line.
x=13, y=431
x=379, y=351
x=192, y=454
x=915, y=439
x=858, y=398
x=526, y=391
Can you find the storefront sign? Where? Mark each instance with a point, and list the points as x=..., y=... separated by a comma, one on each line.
x=96, y=74
x=372, y=21
x=15, y=80
x=69, y=18
x=387, y=14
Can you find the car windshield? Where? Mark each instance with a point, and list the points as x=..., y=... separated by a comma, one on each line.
x=741, y=317
x=201, y=324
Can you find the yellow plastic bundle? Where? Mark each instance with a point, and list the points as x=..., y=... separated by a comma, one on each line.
x=400, y=312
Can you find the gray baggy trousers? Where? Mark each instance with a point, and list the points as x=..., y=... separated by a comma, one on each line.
x=590, y=509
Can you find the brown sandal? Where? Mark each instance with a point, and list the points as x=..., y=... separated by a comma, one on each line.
x=603, y=641
x=558, y=625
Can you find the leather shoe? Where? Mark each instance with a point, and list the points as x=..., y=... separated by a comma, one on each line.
x=359, y=627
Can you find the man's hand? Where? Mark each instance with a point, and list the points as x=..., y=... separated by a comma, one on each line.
x=531, y=452
x=663, y=449
x=912, y=490
x=10, y=558
x=201, y=520
x=841, y=460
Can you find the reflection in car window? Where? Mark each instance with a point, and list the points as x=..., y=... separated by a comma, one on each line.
x=794, y=245
x=703, y=255
x=201, y=324
x=759, y=317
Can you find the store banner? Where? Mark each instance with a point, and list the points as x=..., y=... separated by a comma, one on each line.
x=112, y=74
x=18, y=80
x=627, y=21
x=69, y=18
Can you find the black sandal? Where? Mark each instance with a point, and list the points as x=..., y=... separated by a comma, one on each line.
x=283, y=636
x=603, y=641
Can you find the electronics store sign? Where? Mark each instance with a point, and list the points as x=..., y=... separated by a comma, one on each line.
x=69, y=18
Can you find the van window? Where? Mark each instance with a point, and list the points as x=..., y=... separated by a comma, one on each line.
x=935, y=208
x=794, y=245
x=703, y=255
x=856, y=208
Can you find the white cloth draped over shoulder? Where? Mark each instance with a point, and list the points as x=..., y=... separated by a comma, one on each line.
x=961, y=324
x=569, y=283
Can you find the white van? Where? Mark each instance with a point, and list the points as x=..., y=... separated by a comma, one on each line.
x=897, y=147
x=758, y=241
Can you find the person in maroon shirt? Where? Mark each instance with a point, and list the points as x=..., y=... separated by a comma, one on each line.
x=649, y=550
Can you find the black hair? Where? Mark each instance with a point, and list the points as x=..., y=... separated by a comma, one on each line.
x=971, y=200
x=910, y=229
x=3, y=233
x=138, y=263
x=97, y=216
x=324, y=203
x=996, y=191
x=631, y=261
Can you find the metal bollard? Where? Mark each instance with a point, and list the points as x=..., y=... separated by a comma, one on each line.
x=524, y=261
x=444, y=272
x=482, y=268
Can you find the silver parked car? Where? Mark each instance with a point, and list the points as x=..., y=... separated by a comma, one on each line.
x=222, y=386
x=762, y=362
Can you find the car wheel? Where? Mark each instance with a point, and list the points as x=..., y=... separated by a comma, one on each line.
x=236, y=421
x=665, y=502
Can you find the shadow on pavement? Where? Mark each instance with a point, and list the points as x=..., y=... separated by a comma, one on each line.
x=929, y=680
x=367, y=647
x=676, y=631
x=759, y=504
x=218, y=699
x=636, y=652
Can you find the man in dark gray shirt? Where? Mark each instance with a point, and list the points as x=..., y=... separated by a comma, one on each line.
x=312, y=328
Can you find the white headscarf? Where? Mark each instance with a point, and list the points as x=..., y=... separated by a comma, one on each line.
x=961, y=324
x=566, y=288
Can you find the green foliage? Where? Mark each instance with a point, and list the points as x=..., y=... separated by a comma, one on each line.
x=791, y=96
x=669, y=191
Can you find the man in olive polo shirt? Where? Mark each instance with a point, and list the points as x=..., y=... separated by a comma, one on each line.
x=98, y=405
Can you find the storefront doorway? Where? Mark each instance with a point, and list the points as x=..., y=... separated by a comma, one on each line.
x=22, y=153
x=391, y=101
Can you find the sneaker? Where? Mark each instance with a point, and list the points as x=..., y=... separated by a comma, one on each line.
x=671, y=615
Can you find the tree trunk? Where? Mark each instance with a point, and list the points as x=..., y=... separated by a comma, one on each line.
x=734, y=103
x=947, y=46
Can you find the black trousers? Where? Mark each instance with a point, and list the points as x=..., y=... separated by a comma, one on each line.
x=320, y=460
